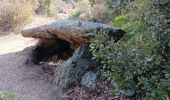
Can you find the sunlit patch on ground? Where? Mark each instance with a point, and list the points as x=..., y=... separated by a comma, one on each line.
x=13, y=43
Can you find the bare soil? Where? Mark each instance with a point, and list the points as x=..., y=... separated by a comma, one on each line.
x=16, y=76
x=25, y=80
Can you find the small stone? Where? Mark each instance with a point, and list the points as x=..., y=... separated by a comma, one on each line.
x=89, y=80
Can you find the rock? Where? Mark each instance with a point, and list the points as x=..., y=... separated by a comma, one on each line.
x=89, y=80
x=71, y=30
x=72, y=70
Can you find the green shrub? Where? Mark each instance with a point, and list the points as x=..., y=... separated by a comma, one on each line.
x=121, y=20
x=133, y=63
x=137, y=62
x=14, y=14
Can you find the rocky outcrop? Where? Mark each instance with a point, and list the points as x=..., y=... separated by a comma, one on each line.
x=68, y=40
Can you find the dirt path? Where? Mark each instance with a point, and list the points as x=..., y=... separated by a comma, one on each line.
x=18, y=77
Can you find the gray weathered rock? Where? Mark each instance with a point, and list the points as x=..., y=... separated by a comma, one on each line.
x=73, y=69
x=89, y=80
x=71, y=30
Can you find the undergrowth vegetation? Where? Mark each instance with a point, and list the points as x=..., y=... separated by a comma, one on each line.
x=139, y=62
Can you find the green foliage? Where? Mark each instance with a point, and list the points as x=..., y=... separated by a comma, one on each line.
x=121, y=21
x=137, y=62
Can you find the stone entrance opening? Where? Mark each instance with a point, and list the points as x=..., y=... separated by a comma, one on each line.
x=51, y=50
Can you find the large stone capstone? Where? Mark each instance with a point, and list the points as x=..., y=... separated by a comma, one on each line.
x=71, y=30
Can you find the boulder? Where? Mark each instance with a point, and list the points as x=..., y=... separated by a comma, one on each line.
x=73, y=69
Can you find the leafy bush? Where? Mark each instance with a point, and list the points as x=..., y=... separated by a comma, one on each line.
x=120, y=21
x=13, y=14
x=136, y=62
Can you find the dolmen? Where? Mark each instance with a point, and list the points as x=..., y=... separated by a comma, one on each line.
x=67, y=41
